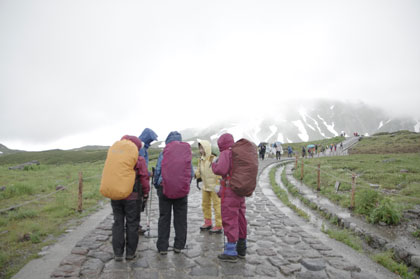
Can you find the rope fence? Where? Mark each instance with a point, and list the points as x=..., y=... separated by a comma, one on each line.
x=359, y=185
x=79, y=181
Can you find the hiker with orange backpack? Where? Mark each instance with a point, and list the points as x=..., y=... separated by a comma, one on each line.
x=238, y=166
x=209, y=196
x=124, y=179
x=173, y=176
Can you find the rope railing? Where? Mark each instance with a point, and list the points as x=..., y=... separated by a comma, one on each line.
x=44, y=196
x=361, y=183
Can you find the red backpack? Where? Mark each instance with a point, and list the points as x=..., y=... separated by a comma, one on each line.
x=176, y=169
x=243, y=178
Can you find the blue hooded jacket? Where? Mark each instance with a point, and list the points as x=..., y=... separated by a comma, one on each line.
x=147, y=136
x=173, y=136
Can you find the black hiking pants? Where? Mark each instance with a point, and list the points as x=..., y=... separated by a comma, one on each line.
x=180, y=209
x=125, y=217
x=278, y=155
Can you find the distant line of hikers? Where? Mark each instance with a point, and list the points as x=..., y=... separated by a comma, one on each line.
x=274, y=148
x=227, y=180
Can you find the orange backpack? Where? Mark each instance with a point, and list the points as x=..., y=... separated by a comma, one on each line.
x=118, y=176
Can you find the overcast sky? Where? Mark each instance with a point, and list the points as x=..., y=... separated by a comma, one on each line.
x=74, y=73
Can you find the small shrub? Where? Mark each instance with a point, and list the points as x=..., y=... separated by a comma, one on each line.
x=3, y=258
x=366, y=201
x=346, y=237
x=386, y=212
x=386, y=259
x=417, y=233
x=35, y=238
x=22, y=214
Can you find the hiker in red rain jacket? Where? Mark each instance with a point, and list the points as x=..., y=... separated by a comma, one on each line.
x=233, y=206
x=126, y=211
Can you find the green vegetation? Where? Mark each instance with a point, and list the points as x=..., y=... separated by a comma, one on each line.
x=417, y=233
x=51, y=157
x=347, y=237
x=386, y=259
x=396, y=176
x=282, y=194
x=25, y=230
x=389, y=143
x=386, y=212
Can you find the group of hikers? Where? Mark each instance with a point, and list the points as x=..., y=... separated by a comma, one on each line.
x=274, y=148
x=320, y=149
x=224, y=189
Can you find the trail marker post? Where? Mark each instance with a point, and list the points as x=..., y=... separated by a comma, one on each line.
x=301, y=171
x=353, y=189
x=80, y=204
x=319, y=177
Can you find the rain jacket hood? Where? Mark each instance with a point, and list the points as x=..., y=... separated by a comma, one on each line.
x=204, y=171
x=147, y=136
x=134, y=140
x=207, y=148
x=173, y=136
x=225, y=142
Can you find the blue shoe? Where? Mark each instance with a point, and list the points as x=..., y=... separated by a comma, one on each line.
x=229, y=254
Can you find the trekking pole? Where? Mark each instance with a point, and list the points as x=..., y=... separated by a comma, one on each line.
x=149, y=207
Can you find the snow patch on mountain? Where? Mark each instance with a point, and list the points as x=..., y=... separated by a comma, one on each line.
x=329, y=127
x=303, y=114
x=289, y=140
x=317, y=126
x=303, y=135
x=417, y=127
x=245, y=129
x=332, y=107
x=380, y=125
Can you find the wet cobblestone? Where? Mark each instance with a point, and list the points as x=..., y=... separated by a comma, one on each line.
x=277, y=248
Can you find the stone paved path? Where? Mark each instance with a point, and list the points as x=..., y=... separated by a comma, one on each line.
x=278, y=247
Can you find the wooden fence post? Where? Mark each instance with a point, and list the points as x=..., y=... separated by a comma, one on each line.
x=80, y=205
x=353, y=189
x=301, y=171
x=319, y=177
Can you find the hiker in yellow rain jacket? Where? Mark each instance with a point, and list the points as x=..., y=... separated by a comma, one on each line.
x=210, y=180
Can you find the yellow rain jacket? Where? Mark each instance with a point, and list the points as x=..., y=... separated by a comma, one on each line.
x=204, y=171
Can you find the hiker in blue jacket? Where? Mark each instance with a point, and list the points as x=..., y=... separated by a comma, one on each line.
x=147, y=137
x=178, y=205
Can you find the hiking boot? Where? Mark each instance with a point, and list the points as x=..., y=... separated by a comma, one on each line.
x=132, y=257
x=229, y=254
x=207, y=225
x=163, y=252
x=227, y=258
x=216, y=230
x=241, y=248
x=176, y=250
x=118, y=259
